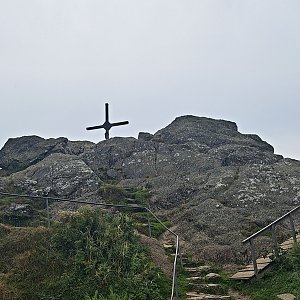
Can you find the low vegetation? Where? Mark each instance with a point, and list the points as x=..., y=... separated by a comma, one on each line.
x=22, y=211
x=115, y=194
x=88, y=255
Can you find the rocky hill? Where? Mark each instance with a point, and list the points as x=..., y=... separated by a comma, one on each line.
x=214, y=183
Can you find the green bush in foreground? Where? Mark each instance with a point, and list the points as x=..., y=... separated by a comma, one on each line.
x=87, y=255
x=111, y=296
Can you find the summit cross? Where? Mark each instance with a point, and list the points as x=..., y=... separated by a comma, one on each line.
x=107, y=125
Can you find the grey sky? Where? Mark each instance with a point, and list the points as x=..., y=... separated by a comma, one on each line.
x=152, y=60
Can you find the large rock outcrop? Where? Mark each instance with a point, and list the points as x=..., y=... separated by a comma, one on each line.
x=214, y=183
x=61, y=175
x=20, y=153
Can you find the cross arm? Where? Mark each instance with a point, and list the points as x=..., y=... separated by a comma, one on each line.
x=94, y=127
x=107, y=125
x=119, y=123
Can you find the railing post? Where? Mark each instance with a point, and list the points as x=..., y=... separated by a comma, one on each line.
x=176, y=287
x=253, y=253
x=149, y=225
x=174, y=278
x=180, y=253
x=274, y=239
x=48, y=213
x=293, y=228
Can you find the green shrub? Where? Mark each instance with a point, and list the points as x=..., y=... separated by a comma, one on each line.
x=111, y=296
x=141, y=196
x=290, y=261
x=112, y=193
x=158, y=229
x=37, y=218
x=87, y=252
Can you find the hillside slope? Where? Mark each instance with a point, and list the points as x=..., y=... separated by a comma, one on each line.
x=215, y=184
x=85, y=254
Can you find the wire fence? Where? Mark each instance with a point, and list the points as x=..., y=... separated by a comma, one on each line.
x=133, y=208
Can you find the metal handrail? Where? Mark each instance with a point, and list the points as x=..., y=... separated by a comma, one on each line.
x=177, y=250
x=270, y=225
x=274, y=238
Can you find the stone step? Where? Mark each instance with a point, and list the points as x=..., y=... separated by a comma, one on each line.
x=248, y=271
x=211, y=288
x=182, y=257
x=131, y=200
x=212, y=277
x=145, y=225
x=168, y=241
x=197, y=269
x=189, y=264
x=194, y=279
x=196, y=274
x=169, y=246
x=203, y=296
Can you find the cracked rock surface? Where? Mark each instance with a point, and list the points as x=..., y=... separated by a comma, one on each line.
x=215, y=184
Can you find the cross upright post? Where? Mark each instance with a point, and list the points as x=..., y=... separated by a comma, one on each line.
x=107, y=125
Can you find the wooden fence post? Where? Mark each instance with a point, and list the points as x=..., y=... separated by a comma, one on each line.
x=293, y=228
x=149, y=225
x=253, y=253
x=274, y=239
x=48, y=213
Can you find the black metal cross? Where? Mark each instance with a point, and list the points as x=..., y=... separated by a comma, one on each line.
x=107, y=125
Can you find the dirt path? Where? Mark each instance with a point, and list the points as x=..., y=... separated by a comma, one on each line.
x=158, y=254
x=237, y=295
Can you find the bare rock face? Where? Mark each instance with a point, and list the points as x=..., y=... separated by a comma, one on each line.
x=19, y=210
x=217, y=138
x=189, y=144
x=286, y=296
x=20, y=153
x=214, y=183
x=58, y=174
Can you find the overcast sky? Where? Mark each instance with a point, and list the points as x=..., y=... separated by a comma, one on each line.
x=152, y=60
